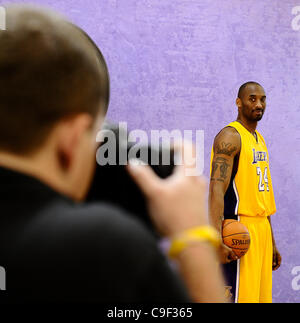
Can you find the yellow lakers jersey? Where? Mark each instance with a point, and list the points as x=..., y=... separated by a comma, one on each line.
x=250, y=191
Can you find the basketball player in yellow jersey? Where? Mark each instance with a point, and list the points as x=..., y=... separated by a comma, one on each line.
x=241, y=189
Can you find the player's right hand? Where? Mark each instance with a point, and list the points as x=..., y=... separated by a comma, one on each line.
x=226, y=254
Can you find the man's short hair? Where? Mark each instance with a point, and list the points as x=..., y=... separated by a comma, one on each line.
x=49, y=70
x=243, y=86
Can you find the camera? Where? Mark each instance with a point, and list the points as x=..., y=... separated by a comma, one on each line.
x=112, y=182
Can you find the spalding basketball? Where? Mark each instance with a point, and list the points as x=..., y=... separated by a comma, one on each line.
x=236, y=236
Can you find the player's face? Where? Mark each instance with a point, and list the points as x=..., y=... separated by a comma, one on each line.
x=252, y=103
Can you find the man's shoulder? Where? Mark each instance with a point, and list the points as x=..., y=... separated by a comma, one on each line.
x=228, y=131
x=94, y=248
x=96, y=235
x=227, y=137
x=88, y=221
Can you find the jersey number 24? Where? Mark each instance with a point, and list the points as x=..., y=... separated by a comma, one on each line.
x=263, y=179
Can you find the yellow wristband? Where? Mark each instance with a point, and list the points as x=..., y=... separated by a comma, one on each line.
x=196, y=234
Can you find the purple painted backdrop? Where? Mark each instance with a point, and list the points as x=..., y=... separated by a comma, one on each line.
x=177, y=64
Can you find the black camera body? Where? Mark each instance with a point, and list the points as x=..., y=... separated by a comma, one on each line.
x=112, y=182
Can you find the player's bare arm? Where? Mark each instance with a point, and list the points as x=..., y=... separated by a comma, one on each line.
x=276, y=254
x=227, y=145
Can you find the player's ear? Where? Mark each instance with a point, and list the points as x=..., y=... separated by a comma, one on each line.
x=238, y=102
x=69, y=137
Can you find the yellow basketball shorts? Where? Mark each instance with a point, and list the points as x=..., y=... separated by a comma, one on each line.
x=249, y=279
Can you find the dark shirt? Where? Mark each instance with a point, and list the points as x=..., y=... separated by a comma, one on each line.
x=54, y=249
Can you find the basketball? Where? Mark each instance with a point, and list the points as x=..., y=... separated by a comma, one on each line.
x=236, y=236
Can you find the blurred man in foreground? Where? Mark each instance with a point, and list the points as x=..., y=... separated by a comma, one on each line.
x=54, y=91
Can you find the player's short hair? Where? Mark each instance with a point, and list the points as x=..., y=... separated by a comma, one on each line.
x=49, y=70
x=243, y=86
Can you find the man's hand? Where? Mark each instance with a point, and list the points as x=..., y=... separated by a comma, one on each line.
x=178, y=202
x=226, y=254
x=276, y=262
x=276, y=259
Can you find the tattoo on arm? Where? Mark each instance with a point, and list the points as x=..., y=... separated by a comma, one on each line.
x=219, y=163
x=225, y=149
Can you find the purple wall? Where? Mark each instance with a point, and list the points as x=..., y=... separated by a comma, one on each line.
x=177, y=64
